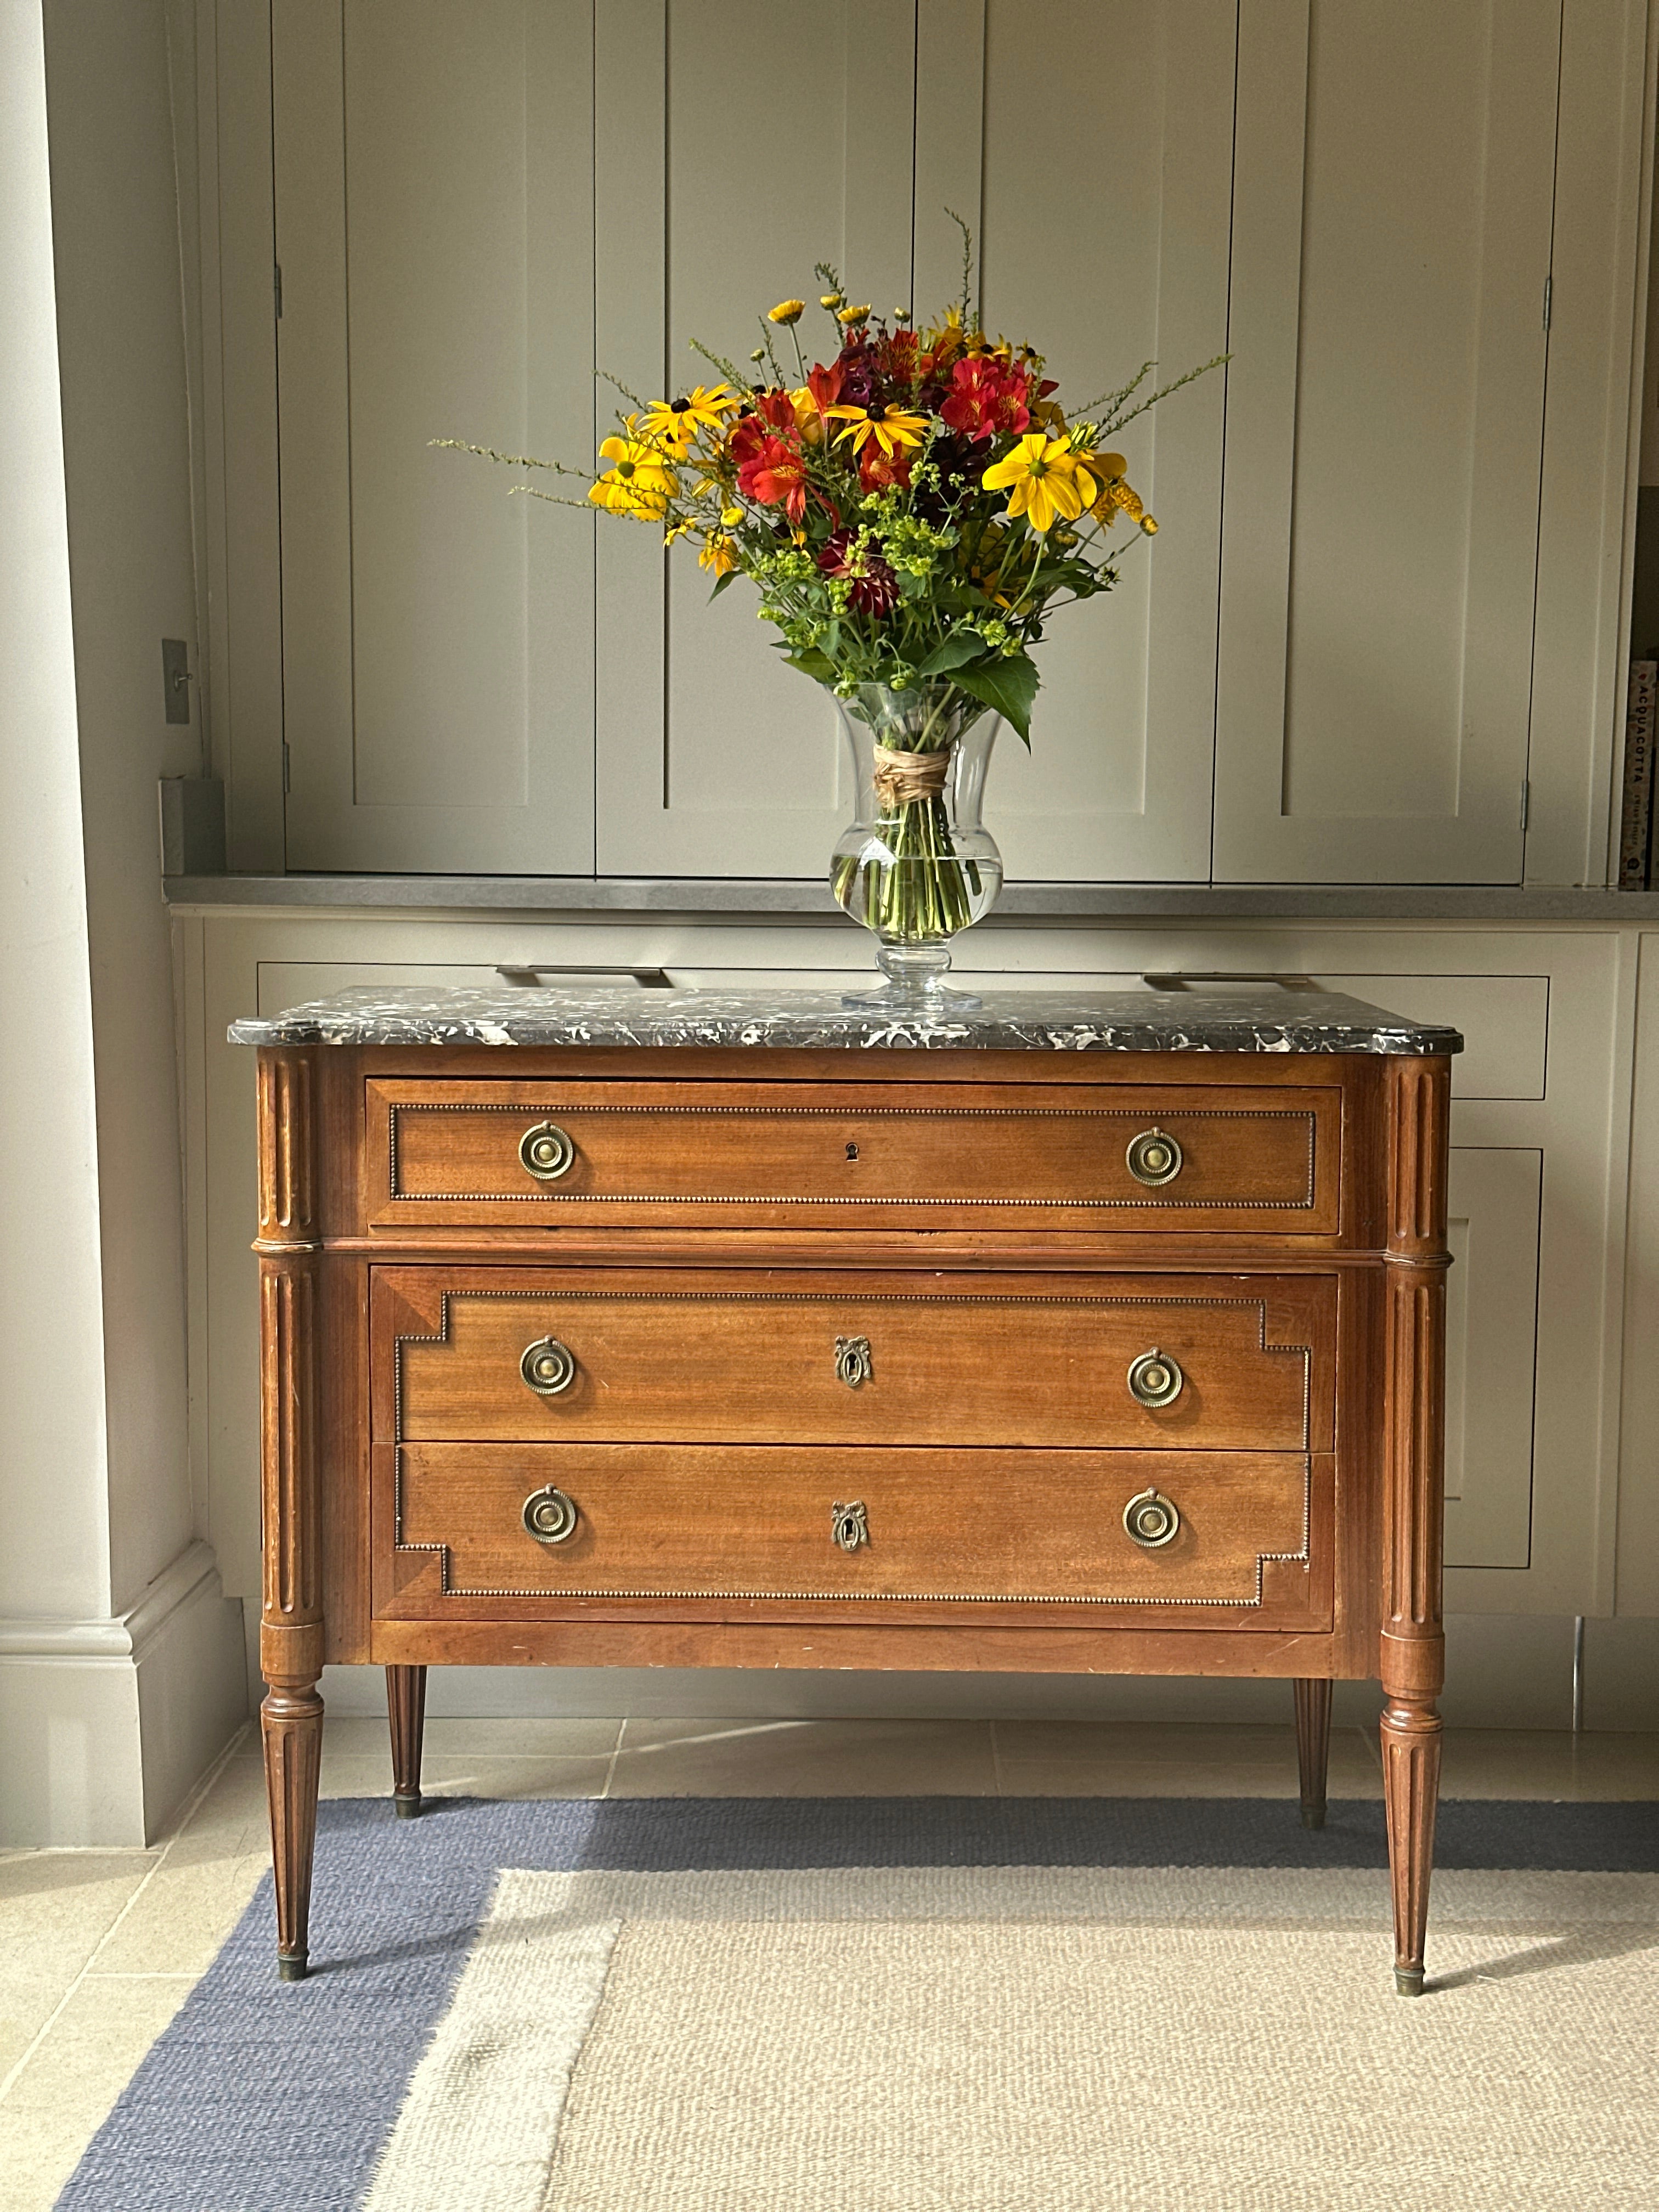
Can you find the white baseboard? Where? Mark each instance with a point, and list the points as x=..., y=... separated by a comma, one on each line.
x=1501, y=1671
x=105, y=1724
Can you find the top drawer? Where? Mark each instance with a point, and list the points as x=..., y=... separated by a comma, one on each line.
x=1211, y=1157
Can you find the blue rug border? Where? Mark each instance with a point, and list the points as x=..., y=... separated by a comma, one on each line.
x=257, y=2086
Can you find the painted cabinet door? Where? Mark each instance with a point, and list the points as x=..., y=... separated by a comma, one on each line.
x=435, y=227
x=1106, y=210
x=1393, y=203
x=1100, y=198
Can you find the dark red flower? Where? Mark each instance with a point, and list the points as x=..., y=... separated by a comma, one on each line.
x=875, y=588
x=986, y=397
x=860, y=373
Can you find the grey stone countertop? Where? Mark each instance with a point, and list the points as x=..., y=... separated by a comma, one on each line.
x=1258, y=1020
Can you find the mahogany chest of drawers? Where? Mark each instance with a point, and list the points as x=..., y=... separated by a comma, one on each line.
x=1099, y=1337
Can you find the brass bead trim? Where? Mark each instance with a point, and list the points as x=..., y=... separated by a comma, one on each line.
x=1185, y=1204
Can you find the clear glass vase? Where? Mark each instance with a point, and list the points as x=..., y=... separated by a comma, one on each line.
x=916, y=867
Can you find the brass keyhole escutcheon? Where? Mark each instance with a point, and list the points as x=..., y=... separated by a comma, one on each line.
x=853, y=1362
x=548, y=1366
x=1151, y=1520
x=550, y=1516
x=1154, y=1157
x=849, y=1525
x=546, y=1151
x=1155, y=1379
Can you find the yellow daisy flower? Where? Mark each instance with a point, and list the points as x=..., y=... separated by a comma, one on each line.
x=786, y=311
x=1045, y=480
x=639, y=481
x=720, y=555
x=891, y=427
x=677, y=422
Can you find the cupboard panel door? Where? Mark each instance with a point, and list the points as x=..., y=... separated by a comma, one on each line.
x=714, y=758
x=1392, y=217
x=435, y=233
x=1109, y=250
x=1495, y=1210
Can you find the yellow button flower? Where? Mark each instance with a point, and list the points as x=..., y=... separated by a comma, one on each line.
x=1045, y=480
x=786, y=311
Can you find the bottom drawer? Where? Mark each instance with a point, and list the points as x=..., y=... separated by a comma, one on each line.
x=489, y=1530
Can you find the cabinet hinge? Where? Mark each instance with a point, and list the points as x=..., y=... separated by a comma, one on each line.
x=1526, y=800
x=288, y=779
x=276, y=287
x=1548, y=283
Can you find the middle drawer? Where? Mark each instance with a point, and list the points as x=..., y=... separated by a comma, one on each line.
x=1239, y=1363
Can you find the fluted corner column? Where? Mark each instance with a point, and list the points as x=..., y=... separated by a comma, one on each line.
x=289, y=1246
x=1414, y=1657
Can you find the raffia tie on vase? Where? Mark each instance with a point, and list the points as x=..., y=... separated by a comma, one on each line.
x=901, y=779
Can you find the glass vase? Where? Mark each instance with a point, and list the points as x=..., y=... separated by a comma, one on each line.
x=917, y=866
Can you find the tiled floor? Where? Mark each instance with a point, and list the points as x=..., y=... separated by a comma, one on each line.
x=98, y=1949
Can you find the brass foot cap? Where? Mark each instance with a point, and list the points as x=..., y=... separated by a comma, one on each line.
x=408, y=1807
x=1408, y=1981
x=1312, y=1816
x=291, y=1966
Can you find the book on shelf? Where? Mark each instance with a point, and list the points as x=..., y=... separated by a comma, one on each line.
x=1636, y=820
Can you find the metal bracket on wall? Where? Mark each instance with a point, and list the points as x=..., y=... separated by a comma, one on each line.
x=648, y=979
x=1188, y=977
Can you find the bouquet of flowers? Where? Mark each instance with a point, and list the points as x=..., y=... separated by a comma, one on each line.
x=912, y=510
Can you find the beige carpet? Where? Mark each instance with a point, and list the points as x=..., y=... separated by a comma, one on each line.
x=989, y=2040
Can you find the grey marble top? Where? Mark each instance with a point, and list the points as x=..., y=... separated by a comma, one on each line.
x=1269, y=1019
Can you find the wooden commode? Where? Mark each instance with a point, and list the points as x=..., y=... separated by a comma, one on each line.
x=1096, y=1335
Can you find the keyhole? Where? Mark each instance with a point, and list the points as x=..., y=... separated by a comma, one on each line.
x=851, y=1151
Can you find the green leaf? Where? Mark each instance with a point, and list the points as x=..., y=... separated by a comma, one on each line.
x=811, y=662
x=730, y=577
x=1010, y=686
x=962, y=645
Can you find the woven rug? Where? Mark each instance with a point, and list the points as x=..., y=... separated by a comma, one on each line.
x=916, y=2005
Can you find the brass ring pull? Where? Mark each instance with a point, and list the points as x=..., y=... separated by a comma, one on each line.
x=1154, y=1157
x=550, y=1516
x=546, y=1151
x=1150, y=1520
x=548, y=1366
x=1155, y=1379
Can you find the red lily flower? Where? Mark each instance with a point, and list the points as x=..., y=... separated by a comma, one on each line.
x=775, y=475
x=824, y=385
x=985, y=398
x=877, y=470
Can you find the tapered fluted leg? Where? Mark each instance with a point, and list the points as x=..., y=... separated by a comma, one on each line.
x=291, y=1640
x=1413, y=1654
x=1411, y=1788
x=291, y=1722
x=405, y=1701
x=1313, y=1746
